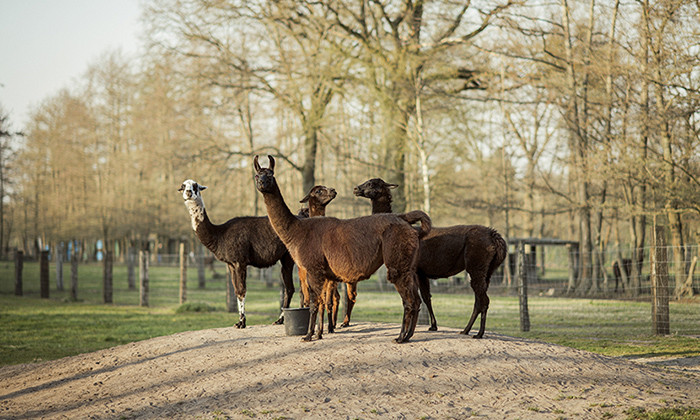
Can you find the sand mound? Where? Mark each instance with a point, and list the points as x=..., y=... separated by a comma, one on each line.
x=358, y=372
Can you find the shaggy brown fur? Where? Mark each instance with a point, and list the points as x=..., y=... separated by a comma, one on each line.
x=348, y=250
x=446, y=251
x=318, y=198
x=240, y=242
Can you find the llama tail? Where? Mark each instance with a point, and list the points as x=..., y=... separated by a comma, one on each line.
x=418, y=216
x=501, y=251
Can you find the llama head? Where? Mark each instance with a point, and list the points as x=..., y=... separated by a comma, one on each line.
x=265, y=177
x=374, y=188
x=192, y=194
x=322, y=195
x=191, y=190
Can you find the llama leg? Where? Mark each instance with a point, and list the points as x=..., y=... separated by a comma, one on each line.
x=315, y=298
x=304, y=292
x=406, y=285
x=334, y=305
x=484, y=302
x=481, y=304
x=424, y=284
x=288, y=282
x=352, y=298
x=238, y=277
x=328, y=304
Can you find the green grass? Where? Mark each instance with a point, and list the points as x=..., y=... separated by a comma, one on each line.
x=34, y=329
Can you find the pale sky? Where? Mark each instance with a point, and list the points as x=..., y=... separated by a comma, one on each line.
x=46, y=44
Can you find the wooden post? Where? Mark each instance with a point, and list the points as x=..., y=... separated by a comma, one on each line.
x=19, y=266
x=522, y=289
x=58, y=255
x=659, y=283
x=183, y=274
x=230, y=293
x=143, y=278
x=75, y=257
x=44, y=274
x=573, y=267
x=131, y=268
x=107, y=277
x=200, y=269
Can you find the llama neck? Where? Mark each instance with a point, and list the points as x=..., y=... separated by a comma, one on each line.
x=281, y=218
x=201, y=224
x=381, y=205
x=316, y=209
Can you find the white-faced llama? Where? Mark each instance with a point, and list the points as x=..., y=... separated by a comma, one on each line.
x=446, y=251
x=348, y=250
x=239, y=242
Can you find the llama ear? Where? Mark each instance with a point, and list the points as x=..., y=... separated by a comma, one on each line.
x=272, y=162
x=202, y=187
x=256, y=165
x=305, y=199
x=392, y=186
x=182, y=188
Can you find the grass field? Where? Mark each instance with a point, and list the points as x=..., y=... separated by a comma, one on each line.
x=34, y=329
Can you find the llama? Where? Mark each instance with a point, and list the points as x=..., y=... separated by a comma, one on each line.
x=318, y=198
x=348, y=250
x=446, y=251
x=240, y=242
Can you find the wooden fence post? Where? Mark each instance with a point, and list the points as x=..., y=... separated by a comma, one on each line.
x=183, y=274
x=107, y=277
x=143, y=278
x=573, y=267
x=230, y=293
x=19, y=266
x=659, y=283
x=44, y=274
x=75, y=257
x=58, y=256
x=522, y=289
x=131, y=268
x=202, y=278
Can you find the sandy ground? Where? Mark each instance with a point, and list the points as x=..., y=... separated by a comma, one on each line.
x=359, y=372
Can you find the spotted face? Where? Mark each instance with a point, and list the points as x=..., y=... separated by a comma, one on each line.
x=320, y=194
x=264, y=177
x=374, y=188
x=191, y=190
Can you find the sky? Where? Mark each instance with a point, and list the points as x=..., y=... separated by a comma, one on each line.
x=45, y=45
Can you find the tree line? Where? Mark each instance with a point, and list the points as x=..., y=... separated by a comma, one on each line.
x=572, y=119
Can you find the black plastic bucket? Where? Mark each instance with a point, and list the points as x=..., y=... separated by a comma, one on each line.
x=296, y=321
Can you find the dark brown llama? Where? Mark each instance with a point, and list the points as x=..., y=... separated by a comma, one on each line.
x=446, y=251
x=318, y=198
x=348, y=250
x=240, y=242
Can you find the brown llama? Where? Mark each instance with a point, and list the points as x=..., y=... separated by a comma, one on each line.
x=318, y=198
x=348, y=250
x=446, y=251
x=240, y=242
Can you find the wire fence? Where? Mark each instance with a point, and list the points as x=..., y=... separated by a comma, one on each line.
x=547, y=272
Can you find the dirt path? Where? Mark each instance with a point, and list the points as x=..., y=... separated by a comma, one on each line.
x=357, y=373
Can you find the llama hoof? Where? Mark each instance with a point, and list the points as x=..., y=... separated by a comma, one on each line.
x=344, y=325
x=464, y=332
x=240, y=324
x=306, y=338
x=432, y=328
x=478, y=337
x=279, y=321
